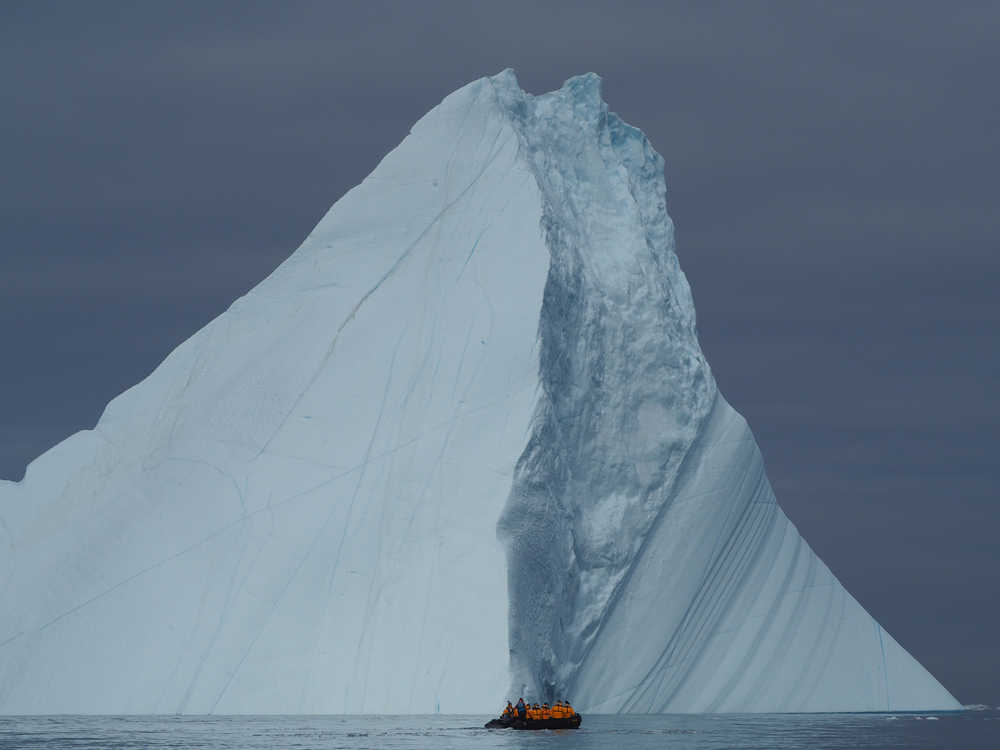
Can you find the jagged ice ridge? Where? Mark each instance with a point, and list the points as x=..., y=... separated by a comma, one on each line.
x=462, y=442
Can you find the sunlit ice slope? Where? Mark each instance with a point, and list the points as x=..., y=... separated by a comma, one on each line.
x=463, y=442
x=296, y=511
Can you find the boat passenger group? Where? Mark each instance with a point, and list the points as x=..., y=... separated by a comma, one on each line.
x=536, y=712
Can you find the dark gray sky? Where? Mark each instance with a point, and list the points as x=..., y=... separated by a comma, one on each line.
x=832, y=170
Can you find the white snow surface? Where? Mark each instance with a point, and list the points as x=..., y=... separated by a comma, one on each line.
x=463, y=443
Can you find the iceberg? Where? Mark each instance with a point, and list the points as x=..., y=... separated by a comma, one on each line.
x=462, y=442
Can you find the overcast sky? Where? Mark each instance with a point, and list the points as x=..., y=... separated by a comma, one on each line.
x=832, y=171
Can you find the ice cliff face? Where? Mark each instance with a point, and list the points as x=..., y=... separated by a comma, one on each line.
x=624, y=385
x=463, y=439
x=650, y=568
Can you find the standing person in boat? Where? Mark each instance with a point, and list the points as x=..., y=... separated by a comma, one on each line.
x=522, y=710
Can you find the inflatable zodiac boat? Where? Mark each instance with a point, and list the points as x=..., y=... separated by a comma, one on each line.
x=516, y=722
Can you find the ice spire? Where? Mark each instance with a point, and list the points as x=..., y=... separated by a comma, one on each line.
x=298, y=510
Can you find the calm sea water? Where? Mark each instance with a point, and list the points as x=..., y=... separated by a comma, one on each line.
x=969, y=729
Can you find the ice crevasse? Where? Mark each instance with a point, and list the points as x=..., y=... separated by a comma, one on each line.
x=462, y=442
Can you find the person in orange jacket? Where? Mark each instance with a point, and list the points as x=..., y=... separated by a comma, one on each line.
x=557, y=710
x=546, y=711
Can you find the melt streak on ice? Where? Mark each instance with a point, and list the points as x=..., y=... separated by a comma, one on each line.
x=463, y=441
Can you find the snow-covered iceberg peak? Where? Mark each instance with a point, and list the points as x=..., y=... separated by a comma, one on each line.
x=463, y=439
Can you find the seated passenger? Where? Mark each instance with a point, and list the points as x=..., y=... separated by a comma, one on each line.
x=557, y=710
x=546, y=711
x=569, y=709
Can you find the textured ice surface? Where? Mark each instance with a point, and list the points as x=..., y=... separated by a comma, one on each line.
x=650, y=568
x=464, y=438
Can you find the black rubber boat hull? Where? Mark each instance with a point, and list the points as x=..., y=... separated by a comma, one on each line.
x=571, y=723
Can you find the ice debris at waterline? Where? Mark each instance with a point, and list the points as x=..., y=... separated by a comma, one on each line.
x=462, y=444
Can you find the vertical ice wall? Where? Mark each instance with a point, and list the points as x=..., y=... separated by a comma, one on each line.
x=650, y=567
x=625, y=385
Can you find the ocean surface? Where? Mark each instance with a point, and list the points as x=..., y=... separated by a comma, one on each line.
x=968, y=729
